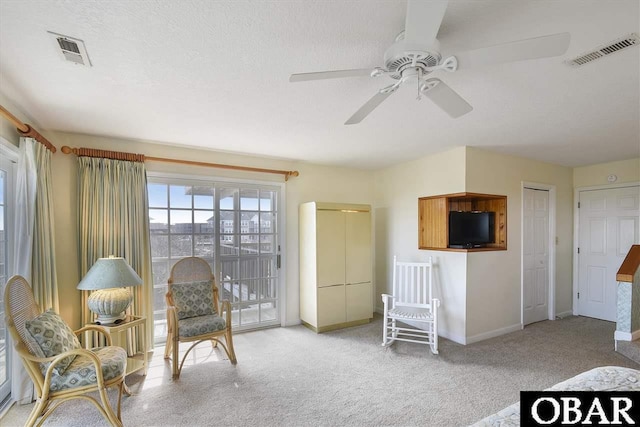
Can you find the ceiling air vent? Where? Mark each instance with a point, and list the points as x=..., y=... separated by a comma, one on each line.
x=604, y=50
x=71, y=49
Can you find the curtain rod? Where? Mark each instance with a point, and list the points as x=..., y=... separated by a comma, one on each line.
x=26, y=130
x=89, y=152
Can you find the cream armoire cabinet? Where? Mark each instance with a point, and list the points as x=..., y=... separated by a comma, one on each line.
x=335, y=265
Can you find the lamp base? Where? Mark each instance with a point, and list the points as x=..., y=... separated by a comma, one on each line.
x=109, y=304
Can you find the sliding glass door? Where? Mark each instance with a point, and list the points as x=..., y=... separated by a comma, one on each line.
x=6, y=200
x=234, y=227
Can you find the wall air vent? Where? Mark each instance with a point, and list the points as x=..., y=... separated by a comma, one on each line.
x=605, y=50
x=71, y=49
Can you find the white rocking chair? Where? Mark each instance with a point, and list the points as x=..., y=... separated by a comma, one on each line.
x=412, y=301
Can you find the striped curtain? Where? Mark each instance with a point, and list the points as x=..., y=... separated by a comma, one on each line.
x=43, y=264
x=113, y=220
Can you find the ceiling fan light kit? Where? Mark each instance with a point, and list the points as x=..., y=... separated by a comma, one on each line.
x=415, y=55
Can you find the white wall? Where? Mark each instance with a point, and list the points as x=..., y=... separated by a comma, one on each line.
x=396, y=228
x=493, y=278
x=328, y=184
x=625, y=170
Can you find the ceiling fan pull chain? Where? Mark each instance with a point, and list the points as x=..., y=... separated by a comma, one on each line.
x=419, y=80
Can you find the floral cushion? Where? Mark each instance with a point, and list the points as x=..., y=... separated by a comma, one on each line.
x=82, y=371
x=193, y=299
x=53, y=337
x=200, y=325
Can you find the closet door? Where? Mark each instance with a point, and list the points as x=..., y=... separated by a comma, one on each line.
x=358, y=247
x=330, y=229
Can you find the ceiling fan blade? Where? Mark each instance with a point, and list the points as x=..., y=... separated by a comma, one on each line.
x=368, y=107
x=538, y=47
x=447, y=99
x=338, y=74
x=423, y=20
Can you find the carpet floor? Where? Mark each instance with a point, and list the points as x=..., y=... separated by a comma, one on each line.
x=294, y=377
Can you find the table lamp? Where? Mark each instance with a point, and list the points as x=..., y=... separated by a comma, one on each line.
x=109, y=279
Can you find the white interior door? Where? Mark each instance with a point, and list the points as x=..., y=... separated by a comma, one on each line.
x=535, y=255
x=608, y=226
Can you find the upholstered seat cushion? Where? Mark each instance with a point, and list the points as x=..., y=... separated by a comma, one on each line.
x=193, y=299
x=195, y=326
x=82, y=371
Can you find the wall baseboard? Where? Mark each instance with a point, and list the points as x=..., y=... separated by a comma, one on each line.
x=626, y=336
x=492, y=334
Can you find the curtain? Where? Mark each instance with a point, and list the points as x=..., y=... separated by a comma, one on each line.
x=34, y=247
x=113, y=220
x=43, y=266
x=25, y=202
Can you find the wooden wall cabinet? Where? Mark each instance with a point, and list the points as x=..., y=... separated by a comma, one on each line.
x=335, y=265
x=433, y=219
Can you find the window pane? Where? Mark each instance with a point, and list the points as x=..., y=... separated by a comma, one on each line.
x=227, y=222
x=267, y=222
x=249, y=268
x=268, y=267
x=205, y=222
x=157, y=195
x=249, y=222
x=181, y=221
x=268, y=311
x=181, y=246
x=159, y=246
x=180, y=196
x=228, y=245
x=249, y=200
x=269, y=289
x=267, y=200
x=204, y=246
x=266, y=244
x=249, y=244
x=229, y=270
x=228, y=198
x=158, y=295
x=160, y=272
x=203, y=197
x=158, y=220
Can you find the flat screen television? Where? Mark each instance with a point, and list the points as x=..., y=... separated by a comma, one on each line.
x=471, y=229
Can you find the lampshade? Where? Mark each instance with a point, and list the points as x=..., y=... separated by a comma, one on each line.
x=106, y=277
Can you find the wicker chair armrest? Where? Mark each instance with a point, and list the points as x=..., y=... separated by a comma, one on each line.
x=172, y=319
x=96, y=328
x=225, y=306
x=78, y=352
x=24, y=352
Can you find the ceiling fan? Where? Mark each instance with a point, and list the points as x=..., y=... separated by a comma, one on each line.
x=415, y=54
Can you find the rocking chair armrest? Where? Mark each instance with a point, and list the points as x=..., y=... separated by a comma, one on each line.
x=387, y=296
x=97, y=328
x=435, y=302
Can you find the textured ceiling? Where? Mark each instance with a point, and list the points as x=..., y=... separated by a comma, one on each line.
x=215, y=74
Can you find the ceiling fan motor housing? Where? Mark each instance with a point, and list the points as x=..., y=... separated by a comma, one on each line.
x=402, y=55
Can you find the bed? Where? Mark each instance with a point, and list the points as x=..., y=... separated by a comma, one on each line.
x=607, y=378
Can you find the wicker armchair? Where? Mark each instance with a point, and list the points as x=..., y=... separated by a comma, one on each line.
x=194, y=313
x=69, y=375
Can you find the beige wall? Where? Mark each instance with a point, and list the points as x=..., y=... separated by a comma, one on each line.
x=315, y=182
x=625, y=170
x=493, y=278
x=396, y=227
